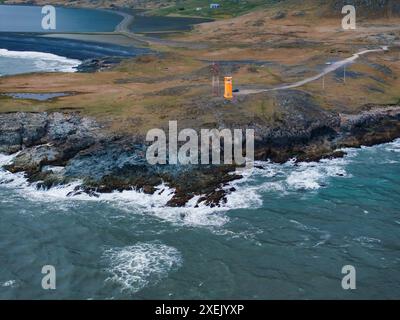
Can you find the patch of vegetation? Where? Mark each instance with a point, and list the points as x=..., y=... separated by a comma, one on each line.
x=201, y=8
x=252, y=69
x=276, y=77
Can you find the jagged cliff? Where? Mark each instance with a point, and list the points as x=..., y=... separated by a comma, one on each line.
x=105, y=162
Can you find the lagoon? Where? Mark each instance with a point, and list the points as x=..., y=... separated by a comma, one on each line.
x=29, y=19
x=17, y=18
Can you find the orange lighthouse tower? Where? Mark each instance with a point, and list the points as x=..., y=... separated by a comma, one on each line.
x=228, y=88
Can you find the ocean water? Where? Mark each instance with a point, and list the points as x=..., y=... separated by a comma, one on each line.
x=285, y=233
x=29, y=19
x=21, y=53
x=22, y=50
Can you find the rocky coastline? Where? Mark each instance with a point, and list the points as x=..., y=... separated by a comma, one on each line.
x=58, y=148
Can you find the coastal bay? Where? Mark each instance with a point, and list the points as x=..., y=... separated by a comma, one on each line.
x=76, y=190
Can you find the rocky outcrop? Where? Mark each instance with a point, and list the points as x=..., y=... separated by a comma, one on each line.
x=98, y=64
x=371, y=127
x=301, y=126
x=24, y=130
x=103, y=161
x=57, y=148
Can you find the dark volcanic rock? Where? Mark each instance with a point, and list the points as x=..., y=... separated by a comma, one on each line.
x=31, y=160
x=371, y=127
x=105, y=162
x=45, y=138
x=303, y=130
x=93, y=65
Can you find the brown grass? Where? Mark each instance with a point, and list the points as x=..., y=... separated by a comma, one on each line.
x=129, y=97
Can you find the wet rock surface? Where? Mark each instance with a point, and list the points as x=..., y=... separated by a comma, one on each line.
x=98, y=64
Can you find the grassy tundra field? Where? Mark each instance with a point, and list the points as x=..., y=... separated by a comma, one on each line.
x=269, y=46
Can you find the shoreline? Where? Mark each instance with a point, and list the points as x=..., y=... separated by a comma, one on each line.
x=296, y=124
x=74, y=48
x=215, y=200
x=126, y=22
x=121, y=28
x=93, y=146
x=105, y=38
x=113, y=37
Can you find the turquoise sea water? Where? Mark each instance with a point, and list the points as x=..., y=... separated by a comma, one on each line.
x=286, y=233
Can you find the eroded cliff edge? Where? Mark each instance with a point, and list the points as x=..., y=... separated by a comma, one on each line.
x=58, y=148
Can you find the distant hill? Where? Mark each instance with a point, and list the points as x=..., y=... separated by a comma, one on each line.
x=371, y=8
x=232, y=8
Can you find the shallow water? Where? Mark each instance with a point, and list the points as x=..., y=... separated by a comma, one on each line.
x=36, y=96
x=286, y=233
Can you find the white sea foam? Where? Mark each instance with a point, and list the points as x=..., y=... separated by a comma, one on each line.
x=130, y=201
x=141, y=265
x=394, y=146
x=39, y=61
x=156, y=205
x=8, y=179
x=9, y=283
x=314, y=175
x=282, y=179
x=292, y=176
x=368, y=242
x=6, y=159
x=265, y=178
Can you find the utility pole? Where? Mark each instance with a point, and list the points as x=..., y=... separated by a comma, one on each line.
x=344, y=74
x=215, y=79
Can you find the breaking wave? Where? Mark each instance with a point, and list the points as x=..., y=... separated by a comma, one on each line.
x=141, y=265
x=293, y=177
x=9, y=283
x=394, y=146
x=265, y=178
x=32, y=61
